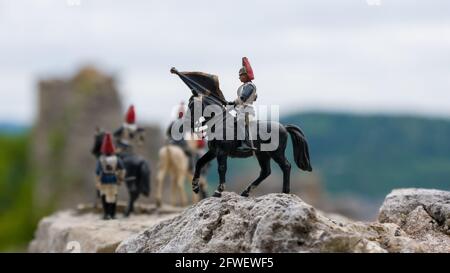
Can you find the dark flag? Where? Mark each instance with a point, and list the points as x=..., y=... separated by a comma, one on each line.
x=202, y=83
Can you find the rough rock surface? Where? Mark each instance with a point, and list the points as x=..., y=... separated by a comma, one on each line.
x=422, y=214
x=284, y=223
x=410, y=220
x=83, y=230
x=400, y=203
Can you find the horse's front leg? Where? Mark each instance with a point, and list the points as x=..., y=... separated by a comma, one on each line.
x=198, y=168
x=222, y=168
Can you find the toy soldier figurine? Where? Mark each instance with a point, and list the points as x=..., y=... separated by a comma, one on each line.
x=110, y=173
x=244, y=103
x=178, y=123
x=129, y=132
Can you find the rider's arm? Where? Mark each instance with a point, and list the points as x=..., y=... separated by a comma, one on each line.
x=247, y=92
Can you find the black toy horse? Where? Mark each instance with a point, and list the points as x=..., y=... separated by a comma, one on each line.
x=205, y=92
x=137, y=176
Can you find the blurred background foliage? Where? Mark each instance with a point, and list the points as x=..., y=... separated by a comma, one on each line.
x=17, y=217
x=364, y=155
x=371, y=155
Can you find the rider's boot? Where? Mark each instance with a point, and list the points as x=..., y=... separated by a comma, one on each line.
x=246, y=144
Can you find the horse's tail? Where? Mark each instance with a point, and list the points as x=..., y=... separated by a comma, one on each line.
x=300, y=147
x=144, y=178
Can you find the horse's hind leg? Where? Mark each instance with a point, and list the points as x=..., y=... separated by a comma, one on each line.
x=159, y=185
x=173, y=190
x=264, y=163
x=286, y=168
x=180, y=187
x=133, y=197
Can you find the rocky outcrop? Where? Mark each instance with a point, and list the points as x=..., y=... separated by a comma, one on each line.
x=281, y=223
x=422, y=214
x=410, y=220
x=82, y=230
x=400, y=203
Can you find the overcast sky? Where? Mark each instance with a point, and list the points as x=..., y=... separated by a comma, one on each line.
x=347, y=55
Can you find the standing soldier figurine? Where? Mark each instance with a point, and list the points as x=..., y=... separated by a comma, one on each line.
x=129, y=132
x=110, y=174
x=244, y=103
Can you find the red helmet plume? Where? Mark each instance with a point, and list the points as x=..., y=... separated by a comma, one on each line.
x=107, y=145
x=247, y=69
x=130, y=117
x=181, y=110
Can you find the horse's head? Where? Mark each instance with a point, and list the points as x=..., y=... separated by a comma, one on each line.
x=205, y=114
x=205, y=93
x=194, y=114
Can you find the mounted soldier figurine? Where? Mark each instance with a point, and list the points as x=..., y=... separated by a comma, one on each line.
x=110, y=173
x=137, y=168
x=129, y=133
x=177, y=159
x=244, y=103
x=177, y=123
x=268, y=143
x=182, y=143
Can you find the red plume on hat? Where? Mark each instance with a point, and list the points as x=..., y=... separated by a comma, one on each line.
x=130, y=117
x=107, y=145
x=201, y=143
x=248, y=68
x=181, y=110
